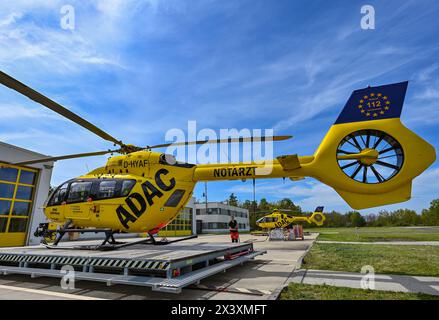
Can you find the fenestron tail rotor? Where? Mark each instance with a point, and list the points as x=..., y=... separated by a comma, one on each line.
x=370, y=156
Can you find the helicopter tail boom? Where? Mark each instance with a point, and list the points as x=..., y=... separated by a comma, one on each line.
x=368, y=156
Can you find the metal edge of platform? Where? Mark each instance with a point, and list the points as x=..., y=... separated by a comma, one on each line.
x=69, y=253
x=88, y=262
x=174, y=285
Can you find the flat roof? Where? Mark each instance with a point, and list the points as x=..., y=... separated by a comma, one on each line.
x=217, y=204
x=30, y=152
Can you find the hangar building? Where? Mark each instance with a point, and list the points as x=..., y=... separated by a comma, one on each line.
x=23, y=191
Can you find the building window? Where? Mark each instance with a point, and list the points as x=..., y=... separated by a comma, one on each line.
x=24, y=192
x=17, y=185
x=180, y=226
x=21, y=209
x=5, y=207
x=27, y=177
x=8, y=174
x=17, y=225
x=7, y=190
x=3, y=224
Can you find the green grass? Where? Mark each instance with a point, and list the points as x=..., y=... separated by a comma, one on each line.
x=371, y=234
x=386, y=259
x=297, y=291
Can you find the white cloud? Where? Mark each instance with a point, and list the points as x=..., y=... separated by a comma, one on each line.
x=10, y=19
x=26, y=41
x=13, y=111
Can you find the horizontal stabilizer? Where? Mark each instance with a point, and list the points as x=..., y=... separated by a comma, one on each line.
x=363, y=201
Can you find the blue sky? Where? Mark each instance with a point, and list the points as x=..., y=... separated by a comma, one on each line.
x=140, y=68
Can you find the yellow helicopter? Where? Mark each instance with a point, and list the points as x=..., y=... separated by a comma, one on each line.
x=368, y=156
x=279, y=219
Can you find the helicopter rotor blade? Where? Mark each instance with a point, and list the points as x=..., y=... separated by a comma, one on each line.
x=69, y=156
x=16, y=85
x=229, y=140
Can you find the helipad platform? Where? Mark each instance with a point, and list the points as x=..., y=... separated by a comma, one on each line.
x=166, y=268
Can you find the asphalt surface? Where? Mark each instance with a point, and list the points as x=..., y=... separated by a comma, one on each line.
x=262, y=278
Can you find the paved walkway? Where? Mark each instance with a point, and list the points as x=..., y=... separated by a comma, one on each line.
x=396, y=243
x=398, y=283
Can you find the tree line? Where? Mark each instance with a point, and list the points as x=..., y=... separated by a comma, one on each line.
x=384, y=218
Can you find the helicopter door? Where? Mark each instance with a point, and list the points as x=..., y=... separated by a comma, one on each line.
x=78, y=200
x=106, y=191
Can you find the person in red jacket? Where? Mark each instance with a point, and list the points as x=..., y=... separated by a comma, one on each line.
x=233, y=227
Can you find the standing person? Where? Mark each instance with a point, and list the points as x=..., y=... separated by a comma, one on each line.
x=233, y=227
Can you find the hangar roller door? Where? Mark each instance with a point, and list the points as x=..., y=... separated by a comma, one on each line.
x=180, y=226
x=17, y=188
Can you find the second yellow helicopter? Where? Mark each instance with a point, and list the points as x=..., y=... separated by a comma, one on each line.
x=279, y=219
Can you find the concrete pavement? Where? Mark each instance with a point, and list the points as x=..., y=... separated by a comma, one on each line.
x=398, y=283
x=23, y=293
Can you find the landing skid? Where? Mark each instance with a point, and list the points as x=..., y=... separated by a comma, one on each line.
x=109, y=242
x=119, y=245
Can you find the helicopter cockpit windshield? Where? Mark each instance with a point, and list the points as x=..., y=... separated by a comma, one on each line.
x=84, y=190
x=267, y=220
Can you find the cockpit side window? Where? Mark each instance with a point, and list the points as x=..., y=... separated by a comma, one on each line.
x=127, y=186
x=79, y=191
x=107, y=189
x=59, y=195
